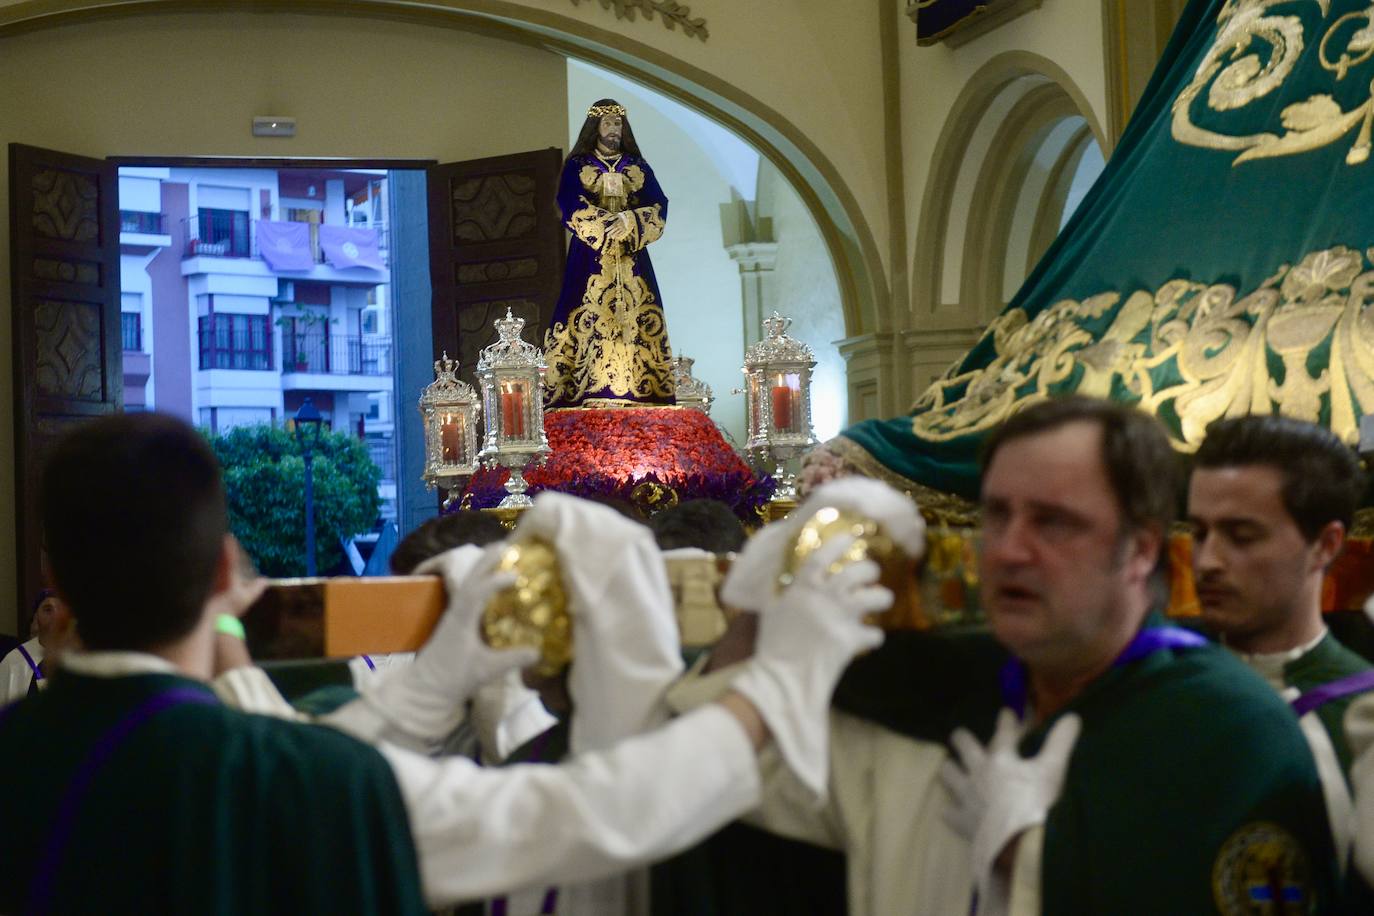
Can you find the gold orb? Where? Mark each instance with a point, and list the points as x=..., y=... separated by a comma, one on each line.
x=533, y=612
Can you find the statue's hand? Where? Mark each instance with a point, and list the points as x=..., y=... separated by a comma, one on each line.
x=619, y=229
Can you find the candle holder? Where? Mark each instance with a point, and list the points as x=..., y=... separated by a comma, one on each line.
x=511, y=373
x=448, y=410
x=691, y=391
x=777, y=394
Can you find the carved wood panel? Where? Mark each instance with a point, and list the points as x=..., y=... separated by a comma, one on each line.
x=494, y=207
x=491, y=271
x=496, y=238
x=65, y=206
x=67, y=356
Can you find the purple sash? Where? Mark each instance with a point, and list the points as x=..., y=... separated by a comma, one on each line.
x=33, y=666
x=60, y=833
x=1016, y=681
x=1320, y=696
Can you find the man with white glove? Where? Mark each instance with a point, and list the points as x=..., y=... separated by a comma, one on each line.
x=424, y=701
x=753, y=578
x=477, y=831
x=1077, y=498
x=997, y=795
x=481, y=832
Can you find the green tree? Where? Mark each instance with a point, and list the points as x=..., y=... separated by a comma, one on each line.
x=264, y=479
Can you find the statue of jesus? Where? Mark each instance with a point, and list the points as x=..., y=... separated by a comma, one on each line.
x=607, y=344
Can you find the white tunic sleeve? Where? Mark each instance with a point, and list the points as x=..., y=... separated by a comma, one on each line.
x=480, y=832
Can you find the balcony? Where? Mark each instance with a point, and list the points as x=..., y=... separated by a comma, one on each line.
x=218, y=233
x=335, y=354
x=314, y=361
x=139, y=222
x=140, y=232
x=355, y=255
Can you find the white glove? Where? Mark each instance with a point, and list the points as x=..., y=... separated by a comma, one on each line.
x=425, y=699
x=625, y=639
x=753, y=578
x=807, y=636
x=997, y=794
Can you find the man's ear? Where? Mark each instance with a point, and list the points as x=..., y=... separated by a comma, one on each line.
x=1328, y=544
x=1143, y=550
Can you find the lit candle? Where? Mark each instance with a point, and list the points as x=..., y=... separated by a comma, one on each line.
x=451, y=435
x=782, y=407
x=513, y=412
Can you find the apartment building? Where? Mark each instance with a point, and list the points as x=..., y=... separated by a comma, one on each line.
x=245, y=291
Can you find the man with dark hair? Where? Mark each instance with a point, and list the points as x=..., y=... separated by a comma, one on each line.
x=607, y=344
x=154, y=798
x=706, y=524
x=441, y=533
x=1270, y=501
x=1077, y=499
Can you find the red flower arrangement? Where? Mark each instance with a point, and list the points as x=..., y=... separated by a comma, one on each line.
x=610, y=451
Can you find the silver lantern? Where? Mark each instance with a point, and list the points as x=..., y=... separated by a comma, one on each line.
x=777, y=392
x=511, y=372
x=449, y=409
x=691, y=391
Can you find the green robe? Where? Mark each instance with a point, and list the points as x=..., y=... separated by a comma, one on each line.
x=199, y=809
x=1190, y=776
x=1328, y=661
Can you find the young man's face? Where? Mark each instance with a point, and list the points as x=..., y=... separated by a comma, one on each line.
x=1251, y=562
x=1057, y=575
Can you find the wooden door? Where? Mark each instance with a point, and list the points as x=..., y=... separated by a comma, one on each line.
x=68, y=357
x=496, y=240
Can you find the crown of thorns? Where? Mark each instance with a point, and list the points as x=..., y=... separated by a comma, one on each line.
x=598, y=111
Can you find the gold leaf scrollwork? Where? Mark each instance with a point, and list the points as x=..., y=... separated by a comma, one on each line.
x=1254, y=54
x=1301, y=344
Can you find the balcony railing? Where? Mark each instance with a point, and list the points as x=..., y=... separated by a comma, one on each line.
x=335, y=354
x=235, y=342
x=131, y=331
x=138, y=221
x=219, y=233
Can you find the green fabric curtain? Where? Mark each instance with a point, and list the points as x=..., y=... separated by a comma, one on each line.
x=1221, y=265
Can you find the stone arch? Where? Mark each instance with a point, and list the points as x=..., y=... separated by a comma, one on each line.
x=1015, y=105
x=848, y=237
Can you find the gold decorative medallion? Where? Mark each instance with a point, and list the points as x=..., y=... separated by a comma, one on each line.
x=1262, y=871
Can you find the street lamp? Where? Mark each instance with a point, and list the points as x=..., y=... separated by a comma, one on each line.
x=308, y=427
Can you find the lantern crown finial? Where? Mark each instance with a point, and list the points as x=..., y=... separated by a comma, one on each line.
x=776, y=325
x=510, y=350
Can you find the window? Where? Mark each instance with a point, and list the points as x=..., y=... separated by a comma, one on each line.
x=230, y=341
x=131, y=331
x=138, y=221
x=371, y=323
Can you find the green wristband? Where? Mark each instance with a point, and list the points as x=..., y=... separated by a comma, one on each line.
x=229, y=625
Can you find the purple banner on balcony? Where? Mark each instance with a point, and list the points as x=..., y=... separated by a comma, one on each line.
x=346, y=247
x=285, y=246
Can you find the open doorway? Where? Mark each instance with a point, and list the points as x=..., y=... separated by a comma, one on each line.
x=246, y=291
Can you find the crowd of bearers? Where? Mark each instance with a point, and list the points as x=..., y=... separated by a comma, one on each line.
x=155, y=797
x=1036, y=767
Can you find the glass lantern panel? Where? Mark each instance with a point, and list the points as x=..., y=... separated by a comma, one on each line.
x=755, y=405
x=514, y=408
x=784, y=392
x=453, y=430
